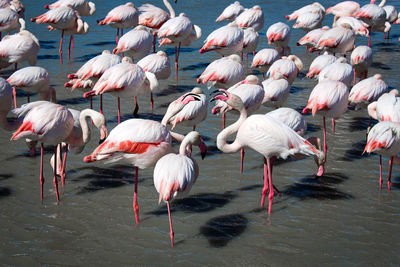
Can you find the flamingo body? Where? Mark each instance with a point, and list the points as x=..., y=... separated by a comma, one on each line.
x=337, y=71
x=157, y=63
x=252, y=17
x=276, y=92
x=122, y=17
x=231, y=12
x=136, y=43
x=319, y=63
x=264, y=59
x=368, y=90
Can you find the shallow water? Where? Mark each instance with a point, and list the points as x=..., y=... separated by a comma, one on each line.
x=339, y=219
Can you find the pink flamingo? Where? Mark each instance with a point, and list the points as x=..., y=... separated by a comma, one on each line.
x=48, y=123
x=361, y=60
x=264, y=134
x=62, y=18
x=6, y=99
x=391, y=17
x=276, y=92
x=288, y=67
x=225, y=41
x=330, y=99
x=337, y=40
x=157, y=63
x=175, y=174
x=223, y=73
x=278, y=34
x=33, y=79
x=121, y=17
x=338, y=71
x=9, y=20
x=359, y=27
x=309, y=21
x=306, y=9
x=384, y=139
x=312, y=37
x=319, y=63
x=124, y=80
x=343, y=9
x=250, y=41
x=192, y=113
x=84, y=7
x=291, y=118
x=264, y=59
x=252, y=17
x=386, y=108
x=368, y=91
x=231, y=12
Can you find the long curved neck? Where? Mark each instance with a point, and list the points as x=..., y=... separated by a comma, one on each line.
x=87, y=113
x=170, y=9
x=7, y=125
x=222, y=136
x=382, y=3
x=185, y=143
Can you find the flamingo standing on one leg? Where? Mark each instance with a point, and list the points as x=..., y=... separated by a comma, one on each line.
x=84, y=7
x=339, y=70
x=276, y=92
x=288, y=67
x=361, y=60
x=48, y=123
x=368, y=91
x=278, y=34
x=175, y=174
x=121, y=17
x=267, y=136
x=264, y=59
x=339, y=39
x=250, y=41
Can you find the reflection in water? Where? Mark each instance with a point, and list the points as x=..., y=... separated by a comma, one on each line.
x=220, y=230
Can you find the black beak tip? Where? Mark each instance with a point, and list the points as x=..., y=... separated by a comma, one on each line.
x=101, y=141
x=203, y=155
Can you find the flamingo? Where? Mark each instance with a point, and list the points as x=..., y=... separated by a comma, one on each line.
x=15, y=5
x=264, y=134
x=339, y=70
x=368, y=91
x=305, y=9
x=276, y=92
x=288, y=67
x=9, y=20
x=291, y=118
x=309, y=21
x=33, y=79
x=121, y=17
x=312, y=37
x=391, y=16
x=225, y=41
x=192, y=113
x=359, y=27
x=223, y=73
x=319, y=63
x=124, y=80
x=157, y=63
x=278, y=34
x=250, y=41
x=175, y=174
x=79, y=137
x=84, y=7
x=264, y=59
x=17, y=48
x=231, y=12
x=386, y=108
x=330, y=99
x=343, y=9
x=339, y=39
x=48, y=123
x=252, y=17
x=6, y=96
x=136, y=43
x=361, y=60
x=384, y=139
x=63, y=18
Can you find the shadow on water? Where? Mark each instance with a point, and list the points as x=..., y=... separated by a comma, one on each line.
x=47, y=44
x=40, y=57
x=47, y=150
x=85, y=58
x=5, y=176
x=361, y=123
x=201, y=65
x=355, y=152
x=74, y=101
x=101, y=43
x=4, y=192
x=379, y=65
x=198, y=203
x=321, y=188
x=173, y=89
x=220, y=230
x=171, y=50
x=312, y=128
x=396, y=183
x=22, y=93
x=296, y=89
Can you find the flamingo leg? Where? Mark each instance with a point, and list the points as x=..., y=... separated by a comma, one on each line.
x=380, y=171
x=101, y=104
x=271, y=189
x=135, y=204
x=325, y=146
x=247, y=57
x=176, y=63
x=15, y=97
x=194, y=127
x=171, y=233
x=390, y=173
x=41, y=171
x=69, y=47
x=28, y=97
x=263, y=75
x=72, y=41
x=60, y=49
x=135, y=112
x=265, y=188
x=91, y=102
x=254, y=53
x=64, y=164
x=354, y=81
x=154, y=41
x=117, y=35
x=55, y=175
x=15, y=66
x=369, y=40
x=151, y=102
x=241, y=159
x=333, y=126
x=119, y=111
x=122, y=31
x=223, y=120
x=241, y=55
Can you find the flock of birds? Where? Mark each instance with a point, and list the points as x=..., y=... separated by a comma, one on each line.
x=145, y=143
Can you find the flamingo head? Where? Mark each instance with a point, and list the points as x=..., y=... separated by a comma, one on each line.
x=233, y=101
x=177, y=105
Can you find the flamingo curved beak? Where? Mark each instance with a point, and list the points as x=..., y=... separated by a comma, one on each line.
x=103, y=134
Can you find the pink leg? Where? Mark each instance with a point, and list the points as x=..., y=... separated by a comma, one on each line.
x=122, y=31
x=60, y=49
x=15, y=97
x=333, y=126
x=247, y=57
x=271, y=191
x=64, y=165
x=176, y=63
x=154, y=41
x=117, y=35
x=266, y=185
x=151, y=102
x=254, y=53
x=101, y=104
x=263, y=75
x=369, y=40
x=119, y=112
x=28, y=97
x=223, y=120
x=241, y=55
x=41, y=171
x=69, y=47
x=135, y=112
x=390, y=173
x=380, y=171
x=325, y=146
x=55, y=175
x=241, y=159
x=171, y=233
x=135, y=204
x=72, y=41
x=194, y=127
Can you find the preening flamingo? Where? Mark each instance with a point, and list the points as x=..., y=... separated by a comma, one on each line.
x=124, y=80
x=276, y=92
x=264, y=59
x=84, y=7
x=267, y=136
x=339, y=39
x=288, y=67
x=339, y=70
x=121, y=17
x=225, y=41
x=192, y=113
x=231, y=12
x=314, y=7
x=33, y=80
x=329, y=99
x=359, y=27
x=361, y=60
x=278, y=35
x=368, y=90
x=175, y=174
x=319, y=63
x=309, y=21
x=223, y=73
x=252, y=17
x=384, y=139
x=48, y=123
